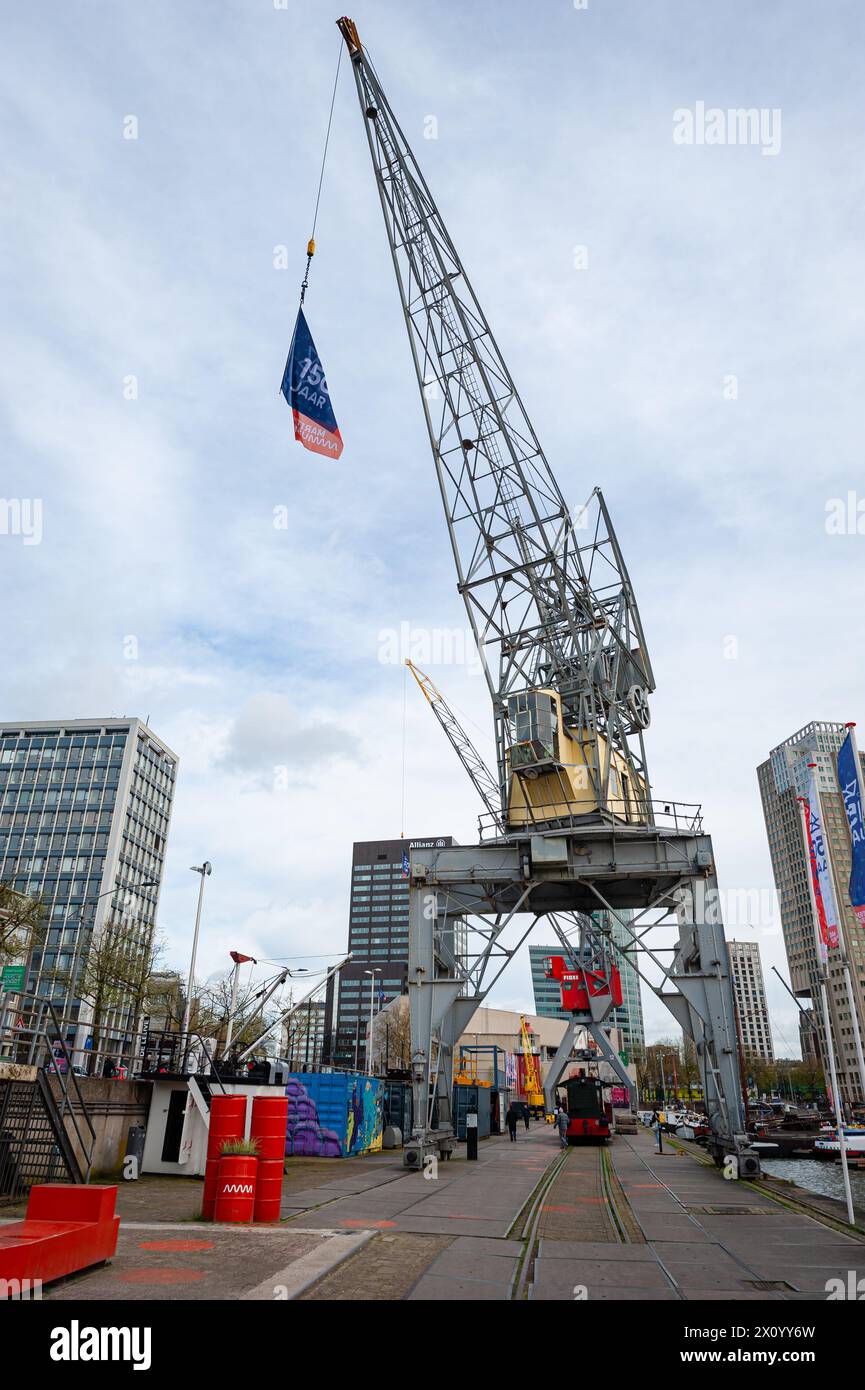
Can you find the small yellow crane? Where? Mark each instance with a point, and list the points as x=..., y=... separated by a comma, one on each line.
x=534, y=1090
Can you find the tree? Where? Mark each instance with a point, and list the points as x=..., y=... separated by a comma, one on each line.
x=115, y=976
x=391, y=1035
x=21, y=925
x=211, y=1011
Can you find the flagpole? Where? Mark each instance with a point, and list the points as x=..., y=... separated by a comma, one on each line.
x=827, y=1025
x=851, y=730
x=842, y=943
x=860, y=780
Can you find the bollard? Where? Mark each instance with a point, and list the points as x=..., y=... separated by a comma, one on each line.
x=471, y=1135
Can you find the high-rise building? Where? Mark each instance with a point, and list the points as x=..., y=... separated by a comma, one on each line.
x=303, y=1036
x=378, y=941
x=750, y=995
x=782, y=779
x=85, y=808
x=628, y=1016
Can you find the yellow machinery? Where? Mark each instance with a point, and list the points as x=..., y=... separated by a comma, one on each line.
x=531, y=1070
x=552, y=776
x=468, y=1074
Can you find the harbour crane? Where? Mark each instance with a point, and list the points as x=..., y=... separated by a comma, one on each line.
x=574, y=830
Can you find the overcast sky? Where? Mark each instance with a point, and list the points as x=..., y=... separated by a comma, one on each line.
x=257, y=648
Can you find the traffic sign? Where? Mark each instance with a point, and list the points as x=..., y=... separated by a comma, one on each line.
x=13, y=977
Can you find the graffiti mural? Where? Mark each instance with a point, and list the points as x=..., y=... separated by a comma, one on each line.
x=333, y=1115
x=364, y=1118
x=304, y=1135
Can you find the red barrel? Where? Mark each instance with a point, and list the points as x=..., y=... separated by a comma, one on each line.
x=235, y=1188
x=268, y=1189
x=269, y=1122
x=227, y=1121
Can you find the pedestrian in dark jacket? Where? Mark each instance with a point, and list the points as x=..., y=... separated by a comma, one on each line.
x=526, y=1115
x=511, y=1120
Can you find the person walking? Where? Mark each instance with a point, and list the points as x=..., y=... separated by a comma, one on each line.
x=656, y=1126
x=562, y=1122
x=526, y=1114
x=511, y=1120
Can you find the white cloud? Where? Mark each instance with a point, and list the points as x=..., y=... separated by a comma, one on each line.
x=258, y=646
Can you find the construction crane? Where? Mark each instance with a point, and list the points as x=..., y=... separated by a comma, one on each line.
x=478, y=772
x=546, y=591
x=531, y=1076
x=574, y=828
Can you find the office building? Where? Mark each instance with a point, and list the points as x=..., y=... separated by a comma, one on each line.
x=782, y=778
x=628, y=1017
x=378, y=941
x=302, y=1037
x=750, y=995
x=85, y=808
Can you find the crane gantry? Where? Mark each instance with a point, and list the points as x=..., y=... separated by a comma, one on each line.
x=571, y=827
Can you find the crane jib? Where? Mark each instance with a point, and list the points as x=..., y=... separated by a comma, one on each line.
x=546, y=591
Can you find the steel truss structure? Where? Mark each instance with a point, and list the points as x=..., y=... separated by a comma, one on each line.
x=552, y=609
x=546, y=591
x=466, y=901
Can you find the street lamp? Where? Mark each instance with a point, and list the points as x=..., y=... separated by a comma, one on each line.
x=372, y=973
x=204, y=870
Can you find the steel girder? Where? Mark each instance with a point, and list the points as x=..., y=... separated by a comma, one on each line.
x=546, y=590
x=462, y=898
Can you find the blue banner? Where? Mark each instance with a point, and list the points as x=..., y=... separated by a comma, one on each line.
x=851, y=790
x=305, y=388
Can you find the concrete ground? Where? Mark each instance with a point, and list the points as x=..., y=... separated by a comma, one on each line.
x=700, y=1237
x=618, y=1223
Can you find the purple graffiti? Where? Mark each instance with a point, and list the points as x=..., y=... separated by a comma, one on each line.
x=304, y=1136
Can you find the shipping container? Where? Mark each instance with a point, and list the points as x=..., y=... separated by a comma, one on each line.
x=475, y=1098
x=333, y=1115
x=398, y=1106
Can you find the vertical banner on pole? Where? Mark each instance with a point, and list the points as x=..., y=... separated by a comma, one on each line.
x=849, y=781
x=826, y=910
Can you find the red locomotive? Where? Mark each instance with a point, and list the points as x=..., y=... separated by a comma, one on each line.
x=588, y=1117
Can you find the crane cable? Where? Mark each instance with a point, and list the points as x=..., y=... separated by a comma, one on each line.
x=310, y=249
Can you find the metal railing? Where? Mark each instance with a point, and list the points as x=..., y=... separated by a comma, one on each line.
x=681, y=816
x=35, y=1142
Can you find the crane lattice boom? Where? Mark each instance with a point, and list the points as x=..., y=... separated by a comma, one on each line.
x=547, y=593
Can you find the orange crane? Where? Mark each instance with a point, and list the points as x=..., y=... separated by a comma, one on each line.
x=531, y=1071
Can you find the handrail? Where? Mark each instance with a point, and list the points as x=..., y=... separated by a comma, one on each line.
x=39, y=1043
x=657, y=814
x=88, y=1153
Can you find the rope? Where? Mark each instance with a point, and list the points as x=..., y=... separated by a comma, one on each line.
x=310, y=250
x=404, y=703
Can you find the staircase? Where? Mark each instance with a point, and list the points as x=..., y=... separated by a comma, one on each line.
x=42, y=1140
x=34, y=1144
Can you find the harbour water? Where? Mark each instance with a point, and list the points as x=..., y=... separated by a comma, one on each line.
x=818, y=1175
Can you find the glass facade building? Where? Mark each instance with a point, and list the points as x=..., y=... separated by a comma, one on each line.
x=85, y=809
x=782, y=778
x=378, y=941
x=750, y=995
x=628, y=1016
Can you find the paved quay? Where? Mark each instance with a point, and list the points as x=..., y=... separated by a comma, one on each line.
x=699, y=1237
x=613, y=1223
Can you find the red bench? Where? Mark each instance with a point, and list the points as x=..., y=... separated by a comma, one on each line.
x=67, y=1228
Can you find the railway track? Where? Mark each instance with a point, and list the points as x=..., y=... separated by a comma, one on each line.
x=578, y=1198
